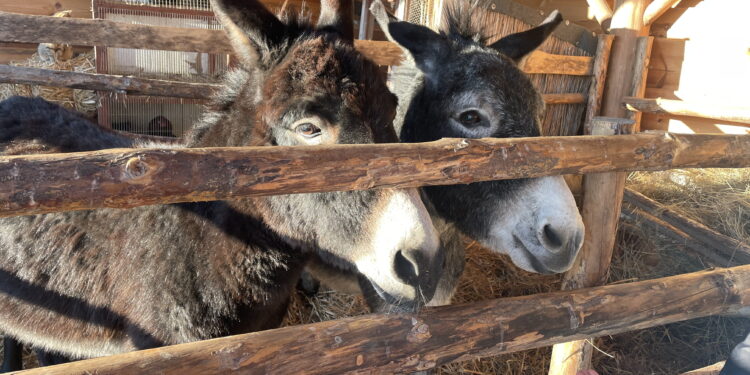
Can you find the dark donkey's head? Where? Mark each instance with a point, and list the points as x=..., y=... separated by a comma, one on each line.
x=306, y=85
x=473, y=89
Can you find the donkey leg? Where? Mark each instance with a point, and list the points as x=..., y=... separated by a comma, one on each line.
x=12, y=355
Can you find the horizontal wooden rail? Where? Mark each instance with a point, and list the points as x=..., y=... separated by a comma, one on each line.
x=546, y=63
x=683, y=108
x=399, y=343
x=715, y=247
x=105, y=82
x=567, y=98
x=154, y=87
x=656, y=9
x=122, y=178
x=24, y=28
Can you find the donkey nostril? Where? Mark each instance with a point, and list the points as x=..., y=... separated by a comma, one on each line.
x=553, y=239
x=405, y=268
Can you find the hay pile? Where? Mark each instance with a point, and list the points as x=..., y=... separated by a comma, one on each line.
x=83, y=101
x=718, y=198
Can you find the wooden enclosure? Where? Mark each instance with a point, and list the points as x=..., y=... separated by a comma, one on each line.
x=620, y=76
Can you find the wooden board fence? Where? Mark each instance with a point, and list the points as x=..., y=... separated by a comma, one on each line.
x=400, y=343
x=154, y=87
x=106, y=82
x=122, y=178
x=23, y=28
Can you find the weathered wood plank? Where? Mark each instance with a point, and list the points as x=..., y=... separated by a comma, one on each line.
x=601, y=9
x=693, y=109
x=721, y=250
x=87, y=32
x=24, y=28
x=155, y=87
x=547, y=63
x=642, y=61
x=105, y=82
x=398, y=343
x=599, y=76
x=602, y=192
x=600, y=214
x=79, y=8
x=33, y=184
x=656, y=9
x=565, y=98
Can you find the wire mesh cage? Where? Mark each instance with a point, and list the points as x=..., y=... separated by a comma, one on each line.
x=423, y=12
x=156, y=115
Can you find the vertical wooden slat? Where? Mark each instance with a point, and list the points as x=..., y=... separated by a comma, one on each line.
x=598, y=76
x=603, y=192
x=640, y=71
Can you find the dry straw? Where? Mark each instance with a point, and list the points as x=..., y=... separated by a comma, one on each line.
x=83, y=101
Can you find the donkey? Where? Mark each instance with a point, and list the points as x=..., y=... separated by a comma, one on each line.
x=464, y=87
x=100, y=282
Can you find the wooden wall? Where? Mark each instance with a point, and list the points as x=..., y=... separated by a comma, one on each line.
x=701, y=53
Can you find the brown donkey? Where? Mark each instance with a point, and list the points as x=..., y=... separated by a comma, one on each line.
x=93, y=283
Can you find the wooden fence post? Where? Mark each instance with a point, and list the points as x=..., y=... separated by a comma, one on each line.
x=603, y=192
x=600, y=220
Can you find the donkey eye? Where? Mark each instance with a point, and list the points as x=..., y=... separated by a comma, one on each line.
x=307, y=130
x=470, y=118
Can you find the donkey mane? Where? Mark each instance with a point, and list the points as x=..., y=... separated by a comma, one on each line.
x=466, y=21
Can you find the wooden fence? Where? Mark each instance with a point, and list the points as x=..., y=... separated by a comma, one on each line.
x=374, y=343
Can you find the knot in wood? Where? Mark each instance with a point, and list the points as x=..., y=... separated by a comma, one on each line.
x=420, y=332
x=135, y=168
x=461, y=145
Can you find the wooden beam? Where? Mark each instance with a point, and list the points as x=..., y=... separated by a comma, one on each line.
x=105, y=82
x=547, y=63
x=693, y=109
x=80, y=8
x=600, y=223
x=602, y=192
x=656, y=9
x=96, y=32
x=721, y=250
x=643, y=46
x=602, y=11
x=567, y=98
x=400, y=343
x=122, y=178
x=24, y=28
x=155, y=87
x=599, y=76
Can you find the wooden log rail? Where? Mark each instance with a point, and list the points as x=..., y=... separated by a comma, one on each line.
x=683, y=108
x=105, y=82
x=399, y=343
x=717, y=248
x=154, y=87
x=21, y=28
x=123, y=178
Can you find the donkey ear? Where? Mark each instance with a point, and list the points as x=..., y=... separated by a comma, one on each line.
x=252, y=29
x=337, y=15
x=518, y=45
x=426, y=46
